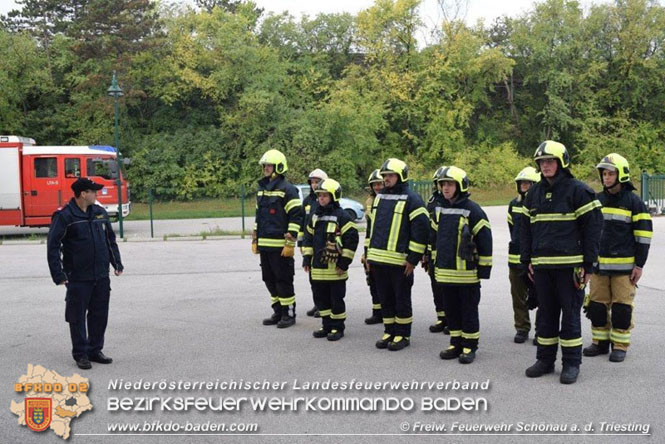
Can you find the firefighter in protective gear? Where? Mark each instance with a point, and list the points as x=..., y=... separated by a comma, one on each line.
x=518, y=287
x=559, y=241
x=375, y=182
x=461, y=235
x=309, y=204
x=624, y=246
x=278, y=219
x=397, y=240
x=435, y=200
x=329, y=244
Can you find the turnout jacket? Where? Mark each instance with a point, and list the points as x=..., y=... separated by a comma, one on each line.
x=515, y=214
x=309, y=204
x=368, y=217
x=398, y=229
x=81, y=245
x=278, y=211
x=453, y=225
x=627, y=232
x=329, y=223
x=561, y=225
x=435, y=200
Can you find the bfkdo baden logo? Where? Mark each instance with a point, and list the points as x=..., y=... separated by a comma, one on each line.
x=51, y=401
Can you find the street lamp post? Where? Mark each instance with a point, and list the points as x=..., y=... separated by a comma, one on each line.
x=115, y=91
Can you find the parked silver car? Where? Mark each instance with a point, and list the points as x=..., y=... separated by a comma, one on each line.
x=352, y=207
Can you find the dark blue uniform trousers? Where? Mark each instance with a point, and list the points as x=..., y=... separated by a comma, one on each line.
x=87, y=305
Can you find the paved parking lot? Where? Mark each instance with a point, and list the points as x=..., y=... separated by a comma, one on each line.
x=192, y=311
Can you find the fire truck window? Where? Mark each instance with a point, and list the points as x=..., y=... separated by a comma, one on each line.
x=72, y=167
x=102, y=168
x=46, y=167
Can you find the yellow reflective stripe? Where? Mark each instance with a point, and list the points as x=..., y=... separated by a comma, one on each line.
x=274, y=299
x=338, y=316
x=327, y=274
x=475, y=335
x=347, y=226
x=641, y=216
x=395, y=226
x=616, y=260
x=403, y=321
x=310, y=230
x=455, y=333
x=557, y=260
x=509, y=219
x=443, y=275
x=307, y=251
x=292, y=204
x=271, y=193
x=479, y=226
x=616, y=336
x=388, y=321
x=376, y=306
x=293, y=227
x=519, y=210
x=617, y=211
x=267, y=242
x=553, y=217
x=325, y=313
x=548, y=341
x=600, y=334
x=434, y=225
x=386, y=257
x=485, y=261
x=441, y=314
x=577, y=342
x=433, y=255
x=643, y=233
x=588, y=207
x=373, y=215
x=348, y=253
x=417, y=212
x=461, y=264
x=287, y=301
x=366, y=242
x=416, y=247
x=513, y=258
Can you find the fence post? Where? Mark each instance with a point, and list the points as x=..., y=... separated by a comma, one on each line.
x=150, y=197
x=242, y=205
x=645, y=187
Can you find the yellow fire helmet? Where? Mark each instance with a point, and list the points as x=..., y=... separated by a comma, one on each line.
x=528, y=173
x=330, y=186
x=375, y=177
x=615, y=162
x=275, y=157
x=317, y=174
x=437, y=172
x=454, y=174
x=550, y=149
x=396, y=166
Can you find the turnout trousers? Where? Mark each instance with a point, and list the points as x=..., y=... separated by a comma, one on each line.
x=277, y=273
x=461, y=304
x=395, y=293
x=329, y=299
x=558, y=319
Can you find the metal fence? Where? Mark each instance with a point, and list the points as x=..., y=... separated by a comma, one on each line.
x=653, y=192
x=423, y=187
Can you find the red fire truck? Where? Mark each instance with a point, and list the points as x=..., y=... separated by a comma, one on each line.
x=36, y=180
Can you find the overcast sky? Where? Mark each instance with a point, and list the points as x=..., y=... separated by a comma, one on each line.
x=486, y=9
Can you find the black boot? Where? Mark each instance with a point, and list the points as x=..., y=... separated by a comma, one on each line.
x=383, y=342
x=569, y=374
x=311, y=312
x=375, y=318
x=288, y=317
x=272, y=320
x=451, y=352
x=320, y=333
x=398, y=343
x=617, y=355
x=438, y=326
x=335, y=335
x=467, y=356
x=521, y=336
x=602, y=348
x=539, y=369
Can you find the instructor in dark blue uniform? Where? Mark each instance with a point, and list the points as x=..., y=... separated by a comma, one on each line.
x=81, y=245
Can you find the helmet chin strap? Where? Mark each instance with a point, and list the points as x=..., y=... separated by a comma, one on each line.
x=616, y=182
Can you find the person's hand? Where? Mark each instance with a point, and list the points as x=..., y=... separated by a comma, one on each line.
x=530, y=274
x=64, y=282
x=306, y=268
x=408, y=269
x=586, y=277
x=635, y=275
x=339, y=271
x=117, y=272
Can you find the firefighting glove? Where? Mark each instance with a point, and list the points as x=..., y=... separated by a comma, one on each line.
x=255, y=243
x=333, y=249
x=531, y=300
x=467, y=248
x=425, y=263
x=578, y=278
x=585, y=305
x=289, y=246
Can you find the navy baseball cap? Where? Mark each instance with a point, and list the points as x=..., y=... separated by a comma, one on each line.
x=85, y=184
